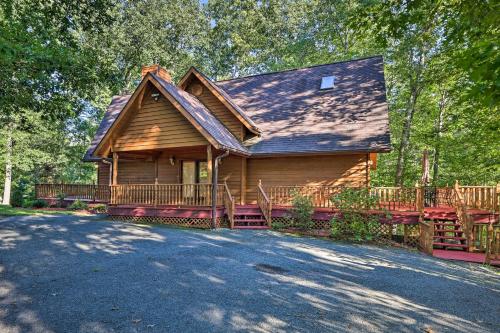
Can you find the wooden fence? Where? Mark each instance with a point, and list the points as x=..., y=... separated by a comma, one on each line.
x=165, y=194
x=73, y=191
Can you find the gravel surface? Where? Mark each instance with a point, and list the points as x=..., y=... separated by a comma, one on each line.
x=85, y=274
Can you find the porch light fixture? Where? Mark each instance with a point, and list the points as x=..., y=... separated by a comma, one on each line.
x=155, y=96
x=172, y=160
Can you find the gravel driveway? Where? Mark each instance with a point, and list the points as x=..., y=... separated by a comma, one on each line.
x=84, y=274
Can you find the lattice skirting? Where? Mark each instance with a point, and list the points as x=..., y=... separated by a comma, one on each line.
x=188, y=222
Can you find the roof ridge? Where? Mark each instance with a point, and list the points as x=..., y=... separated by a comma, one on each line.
x=299, y=68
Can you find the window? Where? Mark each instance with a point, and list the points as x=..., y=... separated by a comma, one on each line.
x=327, y=82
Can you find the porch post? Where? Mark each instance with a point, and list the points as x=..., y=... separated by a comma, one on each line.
x=115, y=168
x=209, y=164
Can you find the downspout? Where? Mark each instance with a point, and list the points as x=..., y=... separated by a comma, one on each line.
x=215, y=174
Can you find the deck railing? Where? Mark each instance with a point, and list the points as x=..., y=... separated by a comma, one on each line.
x=320, y=195
x=463, y=217
x=264, y=203
x=396, y=198
x=165, y=194
x=73, y=191
x=229, y=205
x=391, y=198
x=481, y=197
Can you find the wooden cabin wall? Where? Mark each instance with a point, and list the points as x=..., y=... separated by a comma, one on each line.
x=136, y=172
x=221, y=112
x=156, y=125
x=102, y=173
x=230, y=171
x=310, y=170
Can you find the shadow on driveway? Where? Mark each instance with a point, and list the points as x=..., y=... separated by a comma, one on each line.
x=82, y=274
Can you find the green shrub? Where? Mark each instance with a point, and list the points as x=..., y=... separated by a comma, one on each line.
x=60, y=199
x=353, y=222
x=78, y=205
x=302, y=211
x=38, y=203
x=100, y=209
x=17, y=195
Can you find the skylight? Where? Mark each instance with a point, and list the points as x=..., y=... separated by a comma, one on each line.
x=327, y=82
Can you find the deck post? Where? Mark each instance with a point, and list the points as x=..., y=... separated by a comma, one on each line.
x=209, y=164
x=214, y=187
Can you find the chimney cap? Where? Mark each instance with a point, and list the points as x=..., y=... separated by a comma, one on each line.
x=157, y=70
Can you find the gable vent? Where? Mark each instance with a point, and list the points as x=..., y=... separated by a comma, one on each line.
x=327, y=82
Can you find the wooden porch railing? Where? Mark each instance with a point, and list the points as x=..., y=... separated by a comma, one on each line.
x=264, y=203
x=73, y=191
x=481, y=197
x=320, y=195
x=229, y=205
x=391, y=198
x=493, y=243
x=426, y=236
x=165, y=194
x=397, y=198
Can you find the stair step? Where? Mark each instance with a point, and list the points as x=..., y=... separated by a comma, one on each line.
x=249, y=221
x=448, y=230
x=257, y=227
x=450, y=245
x=448, y=224
x=259, y=213
x=450, y=237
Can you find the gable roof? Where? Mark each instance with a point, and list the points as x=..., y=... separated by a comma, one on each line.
x=295, y=116
x=222, y=96
x=204, y=118
x=115, y=107
x=188, y=105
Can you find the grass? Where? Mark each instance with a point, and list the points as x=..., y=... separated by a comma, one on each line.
x=18, y=211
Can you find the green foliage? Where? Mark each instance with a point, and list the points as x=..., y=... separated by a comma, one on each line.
x=38, y=203
x=78, y=205
x=100, y=209
x=12, y=211
x=60, y=199
x=352, y=222
x=60, y=64
x=302, y=211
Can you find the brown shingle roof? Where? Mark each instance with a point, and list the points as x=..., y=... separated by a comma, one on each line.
x=295, y=116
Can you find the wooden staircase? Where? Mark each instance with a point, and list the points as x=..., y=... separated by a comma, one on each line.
x=249, y=217
x=449, y=235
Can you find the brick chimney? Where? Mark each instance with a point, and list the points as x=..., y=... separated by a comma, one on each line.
x=157, y=70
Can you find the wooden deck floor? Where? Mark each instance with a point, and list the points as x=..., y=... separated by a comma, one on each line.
x=462, y=256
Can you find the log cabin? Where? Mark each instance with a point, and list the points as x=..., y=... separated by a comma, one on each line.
x=161, y=147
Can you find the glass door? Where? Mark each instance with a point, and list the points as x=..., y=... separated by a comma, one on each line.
x=188, y=177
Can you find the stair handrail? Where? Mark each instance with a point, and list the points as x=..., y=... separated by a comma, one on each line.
x=228, y=201
x=463, y=217
x=264, y=203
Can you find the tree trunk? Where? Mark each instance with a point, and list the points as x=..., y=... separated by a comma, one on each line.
x=439, y=133
x=8, y=168
x=405, y=137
